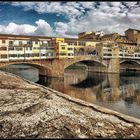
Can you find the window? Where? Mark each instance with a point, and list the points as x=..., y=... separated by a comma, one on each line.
x=35, y=54
x=72, y=43
x=29, y=42
x=81, y=43
x=43, y=54
x=109, y=50
x=18, y=48
x=3, y=48
x=107, y=54
x=63, y=54
x=11, y=48
x=70, y=54
x=3, y=55
x=10, y=42
x=63, y=48
x=70, y=49
x=10, y=55
x=20, y=55
x=3, y=41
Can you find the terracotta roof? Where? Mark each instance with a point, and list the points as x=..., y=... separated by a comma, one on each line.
x=77, y=39
x=132, y=29
x=23, y=36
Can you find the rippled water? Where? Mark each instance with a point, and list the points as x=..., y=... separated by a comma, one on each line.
x=117, y=92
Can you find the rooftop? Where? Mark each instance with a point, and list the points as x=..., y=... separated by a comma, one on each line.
x=23, y=36
x=132, y=29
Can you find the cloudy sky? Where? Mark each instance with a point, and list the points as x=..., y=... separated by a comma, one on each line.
x=67, y=19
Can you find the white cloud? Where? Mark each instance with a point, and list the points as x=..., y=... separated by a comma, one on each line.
x=114, y=18
x=13, y=28
x=70, y=9
x=130, y=4
x=83, y=16
x=41, y=28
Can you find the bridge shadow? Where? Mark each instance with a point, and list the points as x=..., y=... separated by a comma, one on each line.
x=90, y=81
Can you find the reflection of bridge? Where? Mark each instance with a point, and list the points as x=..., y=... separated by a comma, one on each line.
x=56, y=67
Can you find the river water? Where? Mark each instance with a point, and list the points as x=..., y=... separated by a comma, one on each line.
x=119, y=92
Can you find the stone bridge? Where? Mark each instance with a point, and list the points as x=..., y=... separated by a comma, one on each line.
x=56, y=67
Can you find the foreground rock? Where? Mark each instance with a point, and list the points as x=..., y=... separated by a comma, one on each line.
x=31, y=111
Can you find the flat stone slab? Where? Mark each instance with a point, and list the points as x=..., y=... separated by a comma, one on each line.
x=29, y=110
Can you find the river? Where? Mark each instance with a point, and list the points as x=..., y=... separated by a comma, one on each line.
x=119, y=92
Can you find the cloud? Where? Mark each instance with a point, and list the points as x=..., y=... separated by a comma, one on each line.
x=13, y=28
x=83, y=16
x=109, y=17
x=42, y=28
x=69, y=9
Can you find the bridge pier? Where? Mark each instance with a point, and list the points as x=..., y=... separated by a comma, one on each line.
x=114, y=65
x=51, y=73
x=52, y=68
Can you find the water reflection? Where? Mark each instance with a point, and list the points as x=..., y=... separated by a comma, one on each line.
x=120, y=93
x=26, y=71
x=114, y=91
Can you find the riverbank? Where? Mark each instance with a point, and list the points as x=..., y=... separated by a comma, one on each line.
x=28, y=110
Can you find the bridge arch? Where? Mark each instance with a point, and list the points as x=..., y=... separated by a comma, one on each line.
x=43, y=69
x=85, y=60
x=130, y=62
x=130, y=65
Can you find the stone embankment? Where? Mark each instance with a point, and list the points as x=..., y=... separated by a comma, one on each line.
x=28, y=110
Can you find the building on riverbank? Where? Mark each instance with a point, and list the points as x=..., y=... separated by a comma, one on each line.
x=23, y=47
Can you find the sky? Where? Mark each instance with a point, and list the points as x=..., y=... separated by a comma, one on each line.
x=67, y=19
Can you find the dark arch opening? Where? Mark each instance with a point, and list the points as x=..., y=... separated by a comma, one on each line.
x=130, y=62
x=88, y=65
x=28, y=71
x=129, y=67
x=42, y=70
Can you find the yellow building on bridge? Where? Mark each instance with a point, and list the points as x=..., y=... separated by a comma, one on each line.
x=63, y=50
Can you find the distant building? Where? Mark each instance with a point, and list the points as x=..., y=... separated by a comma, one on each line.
x=134, y=36
x=99, y=33
x=110, y=37
x=94, y=36
x=87, y=35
